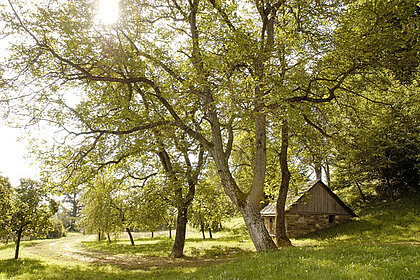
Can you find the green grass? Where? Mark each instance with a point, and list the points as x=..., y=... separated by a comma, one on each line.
x=383, y=243
x=385, y=222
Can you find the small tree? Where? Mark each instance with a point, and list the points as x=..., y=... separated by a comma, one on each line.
x=5, y=206
x=31, y=211
x=98, y=215
x=152, y=209
x=210, y=207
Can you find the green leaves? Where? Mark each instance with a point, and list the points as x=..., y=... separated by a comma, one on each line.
x=25, y=209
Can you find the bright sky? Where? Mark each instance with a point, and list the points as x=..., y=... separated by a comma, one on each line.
x=108, y=11
x=12, y=156
x=14, y=161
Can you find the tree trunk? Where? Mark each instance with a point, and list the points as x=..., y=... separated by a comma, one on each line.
x=327, y=173
x=170, y=232
x=130, y=235
x=99, y=236
x=109, y=237
x=318, y=169
x=181, y=228
x=19, y=235
x=153, y=234
x=256, y=228
x=202, y=229
x=248, y=205
x=281, y=237
x=210, y=234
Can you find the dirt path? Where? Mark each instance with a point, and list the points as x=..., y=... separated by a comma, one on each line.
x=66, y=248
x=70, y=249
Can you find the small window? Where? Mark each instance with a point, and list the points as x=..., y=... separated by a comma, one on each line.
x=271, y=220
x=331, y=219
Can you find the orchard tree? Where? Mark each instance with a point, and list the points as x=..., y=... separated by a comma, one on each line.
x=6, y=192
x=98, y=215
x=31, y=212
x=211, y=70
x=73, y=199
x=211, y=206
x=152, y=209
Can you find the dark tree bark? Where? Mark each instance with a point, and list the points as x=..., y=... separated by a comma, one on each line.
x=99, y=236
x=281, y=237
x=210, y=233
x=170, y=232
x=202, y=229
x=109, y=237
x=153, y=234
x=130, y=235
x=19, y=236
x=181, y=228
x=182, y=203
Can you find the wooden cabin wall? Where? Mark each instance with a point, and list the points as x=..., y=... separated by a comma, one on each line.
x=317, y=201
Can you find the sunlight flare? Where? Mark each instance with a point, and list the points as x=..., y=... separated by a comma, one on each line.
x=108, y=11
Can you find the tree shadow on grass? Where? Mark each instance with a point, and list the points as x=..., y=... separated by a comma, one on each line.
x=154, y=254
x=149, y=247
x=235, y=238
x=12, y=268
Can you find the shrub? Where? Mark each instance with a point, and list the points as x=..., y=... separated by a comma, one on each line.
x=57, y=230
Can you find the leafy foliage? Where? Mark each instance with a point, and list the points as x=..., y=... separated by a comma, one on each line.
x=6, y=203
x=114, y=91
x=381, y=145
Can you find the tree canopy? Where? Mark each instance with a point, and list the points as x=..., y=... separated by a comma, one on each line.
x=209, y=72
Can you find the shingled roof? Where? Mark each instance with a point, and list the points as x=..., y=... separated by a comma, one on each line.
x=294, y=197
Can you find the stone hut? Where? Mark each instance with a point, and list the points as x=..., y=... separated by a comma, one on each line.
x=313, y=208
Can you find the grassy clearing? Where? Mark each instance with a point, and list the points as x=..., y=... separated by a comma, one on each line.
x=383, y=243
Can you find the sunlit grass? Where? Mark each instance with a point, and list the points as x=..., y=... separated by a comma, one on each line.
x=383, y=243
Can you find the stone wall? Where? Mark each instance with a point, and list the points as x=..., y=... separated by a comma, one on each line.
x=301, y=224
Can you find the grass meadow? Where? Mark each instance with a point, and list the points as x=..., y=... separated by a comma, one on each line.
x=382, y=243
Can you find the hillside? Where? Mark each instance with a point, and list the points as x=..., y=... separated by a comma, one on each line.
x=382, y=243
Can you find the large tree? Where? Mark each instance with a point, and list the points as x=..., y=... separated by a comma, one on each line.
x=211, y=69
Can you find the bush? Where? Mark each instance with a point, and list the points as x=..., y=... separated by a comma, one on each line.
x=57, y=229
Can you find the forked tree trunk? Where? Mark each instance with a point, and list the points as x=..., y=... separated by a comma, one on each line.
x=182, y=203
x=181, y=228
x=281, y=237
x=19, y=236
x=256, y=228
x=130, y=235
x=248, y=205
